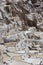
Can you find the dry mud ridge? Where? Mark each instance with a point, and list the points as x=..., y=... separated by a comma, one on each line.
x=21, y=32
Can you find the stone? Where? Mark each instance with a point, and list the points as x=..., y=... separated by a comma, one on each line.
x=33, y=61
x=3, y=48
x=40, y=26
x=5, y=57
x=1, y=40
x=39, y=34
x=11, y=38
x=40, y=55
x=20, y=52
x=1, y=58
x=14, y=54
x=17, y=58
x=10, y=44
x=1, y=16
x=18, y=63
x=11, y=49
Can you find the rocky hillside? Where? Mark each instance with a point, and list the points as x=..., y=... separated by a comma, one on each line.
x=21, y=32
